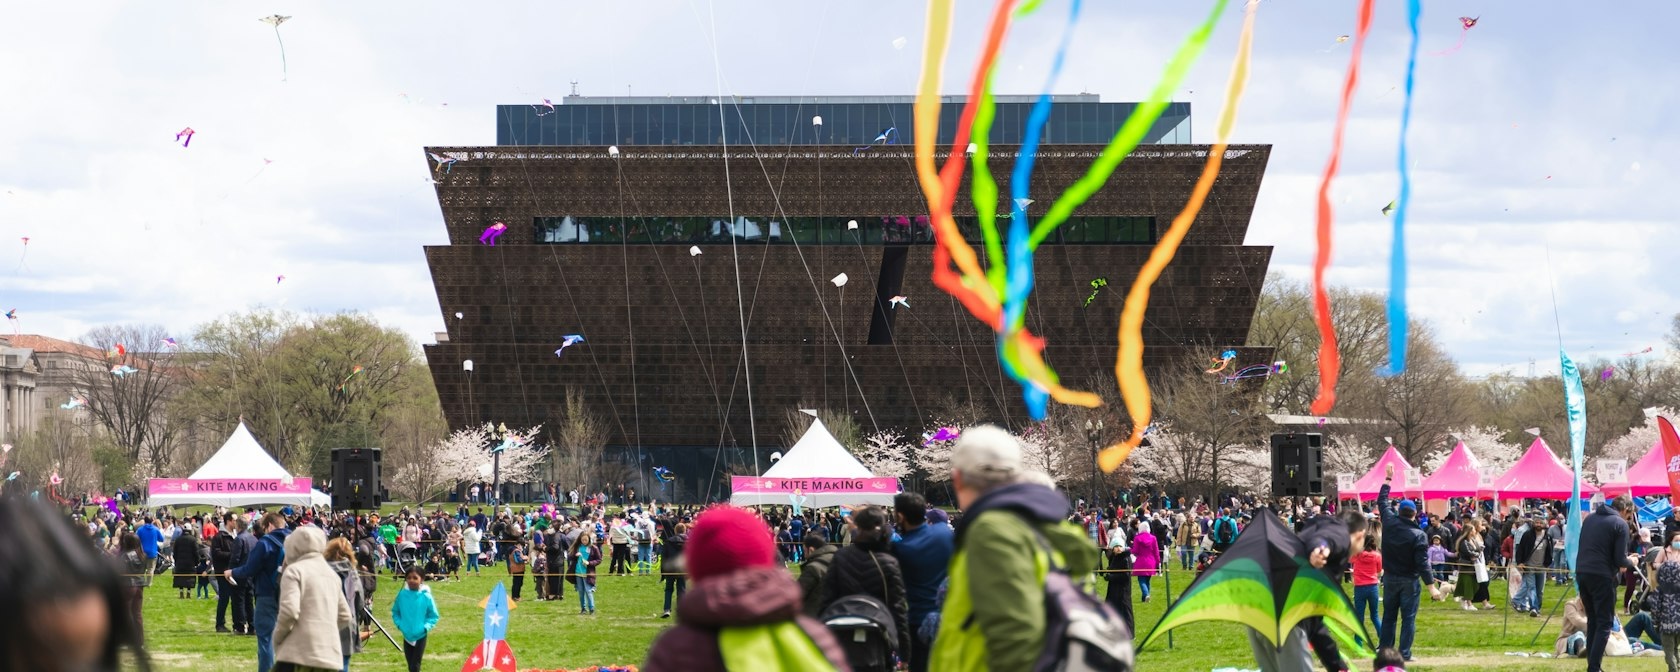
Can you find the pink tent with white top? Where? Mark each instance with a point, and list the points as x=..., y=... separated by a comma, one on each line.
x=1367, y=487
x=1648, y=476
x=1540, y=474
x=1459, y=476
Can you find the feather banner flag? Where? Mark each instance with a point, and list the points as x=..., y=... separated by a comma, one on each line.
x=1575, y=404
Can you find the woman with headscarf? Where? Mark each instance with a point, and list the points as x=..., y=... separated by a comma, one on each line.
x=313, y=609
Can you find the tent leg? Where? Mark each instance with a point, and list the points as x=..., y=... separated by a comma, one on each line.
x=1549, y=616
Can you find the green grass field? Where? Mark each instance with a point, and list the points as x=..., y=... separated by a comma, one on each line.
x=546, y=635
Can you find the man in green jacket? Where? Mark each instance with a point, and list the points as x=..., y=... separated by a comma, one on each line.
x=994, y=619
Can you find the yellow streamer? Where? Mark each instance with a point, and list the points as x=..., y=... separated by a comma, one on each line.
x=1128, y=362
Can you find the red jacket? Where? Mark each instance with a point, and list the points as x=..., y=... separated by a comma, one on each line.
x=747, y=597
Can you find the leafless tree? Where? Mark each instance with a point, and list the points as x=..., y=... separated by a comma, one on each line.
x=579, y=439
x=129, y=397
x=1212, y=418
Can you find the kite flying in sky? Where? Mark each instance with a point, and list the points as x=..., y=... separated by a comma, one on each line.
x=275, y=20
x=1466, y=23
x=567, y=341
x=492, y=233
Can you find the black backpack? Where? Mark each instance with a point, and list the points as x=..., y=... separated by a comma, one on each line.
x=1081, y=632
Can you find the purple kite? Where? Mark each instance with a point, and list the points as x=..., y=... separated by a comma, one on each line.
x=492, y=233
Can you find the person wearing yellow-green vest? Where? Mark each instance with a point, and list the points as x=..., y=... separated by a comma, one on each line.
x=994, y=619
x=743, y=610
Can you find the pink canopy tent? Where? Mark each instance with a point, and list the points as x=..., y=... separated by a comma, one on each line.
x=1459, y=476
x=1648, y=476
x=1367, y=487
x=1538, y=473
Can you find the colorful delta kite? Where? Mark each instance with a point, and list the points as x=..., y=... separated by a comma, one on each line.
x=663, y=475
x=493, y=652
x=1265, y=582
x=1465, y=24
x=1635, y=353
x=275, y=20
x=567, y=341
x=888, y=136
x=1223, y=360
x=74, y=403
x=186, y=133
x=491, y=233
x=171, y=343
x=444, y=163
x=353, y=371
x=123, y=370
x=1388, y=209
x=942, y=434
x=545, y=103
x=1256, y=371
x=117, y=351
x=1096, y=286
x=897, y=301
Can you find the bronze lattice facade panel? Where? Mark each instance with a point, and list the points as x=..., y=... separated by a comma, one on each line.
x=664, y=329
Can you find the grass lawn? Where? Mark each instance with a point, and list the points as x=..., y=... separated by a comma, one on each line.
x=180, y=633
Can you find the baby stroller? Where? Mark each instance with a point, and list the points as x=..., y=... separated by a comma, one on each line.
x=408, y=555
x=1205, y=560
x=865, y=629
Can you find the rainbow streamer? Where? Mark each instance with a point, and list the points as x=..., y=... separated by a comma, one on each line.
x=1128, y=361
x=1329, y=354
x=1397, y=323
x=1132, y=131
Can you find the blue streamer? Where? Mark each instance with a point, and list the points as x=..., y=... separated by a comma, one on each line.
x=1397, y=324
x=1019, y=271
x=1575, y=403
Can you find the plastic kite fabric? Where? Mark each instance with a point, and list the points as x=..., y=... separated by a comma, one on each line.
x=1465, y=24
x=1096, y=286
x=353, y=371
x=186, y=133
x=1329, y=353
x=275, y=20
x=1575, y=405
x=664, y=475
x=1128, y=361
x=1397, y=321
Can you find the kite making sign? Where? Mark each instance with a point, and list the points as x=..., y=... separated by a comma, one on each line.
x=760, y=485
x=229, y=486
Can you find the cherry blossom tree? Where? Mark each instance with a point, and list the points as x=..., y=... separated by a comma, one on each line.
x=886, y=454
x=466, y=456
x=1492, y=453
x=934, y=457
x=1636, y=441
x=1045, y=449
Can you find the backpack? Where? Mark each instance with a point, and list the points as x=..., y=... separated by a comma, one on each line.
x=865, y=630
x=1081, y=632
x=1225, y=530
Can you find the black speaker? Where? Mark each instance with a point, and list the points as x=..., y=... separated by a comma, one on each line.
x=1297, y=465
x=355, y=479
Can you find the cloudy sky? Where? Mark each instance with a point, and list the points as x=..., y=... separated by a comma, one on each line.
x=1542, y=136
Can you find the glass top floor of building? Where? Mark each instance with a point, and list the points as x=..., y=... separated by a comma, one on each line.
x=784, y=120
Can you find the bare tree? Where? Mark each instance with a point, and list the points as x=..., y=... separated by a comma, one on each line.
x=129, y=399
x=841, y=426
x=1212, y=417
x=579, y=440
x=1417, y=408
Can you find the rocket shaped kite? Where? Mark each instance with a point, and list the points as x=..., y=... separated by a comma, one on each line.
x=493, y=653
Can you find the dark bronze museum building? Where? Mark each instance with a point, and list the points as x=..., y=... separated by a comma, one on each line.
x=676, y=234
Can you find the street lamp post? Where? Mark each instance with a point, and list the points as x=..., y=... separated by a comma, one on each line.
x=1093, y=434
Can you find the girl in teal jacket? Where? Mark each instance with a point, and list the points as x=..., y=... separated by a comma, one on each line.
x=415, y=614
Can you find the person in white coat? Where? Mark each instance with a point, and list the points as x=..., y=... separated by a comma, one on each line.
x=312, y=606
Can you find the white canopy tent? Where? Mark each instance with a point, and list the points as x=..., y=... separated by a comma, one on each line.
x=817, y=454
x=241, y=457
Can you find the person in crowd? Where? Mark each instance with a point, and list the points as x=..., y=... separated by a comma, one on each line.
x=1473, y=573
x=1554, y=534
x=1572, y=639
x=343, y=562
x=313, y=610
x=1119, y=574
x=1189, y=536
x=67, y=606
x=993, y=616
x=554, y=549
x=741, y=606
x=1330, y=541
x=1367, y=573
x=1601, y=554
x=139, y=575
x=618, y=534
x=672, y=568
x=1147, y=556
x=1533, y=556
x=1405, y=560
x=864, y=567
x=585, y=558
x=150, y=536
x=516, y=568
x=221, y=556
x=415, y=615
x=819, y=556
x=1388, y=660
x=539, y=568
x=471, y=545
x=1224, y=531
x=924, y=553
x=245, y=599
x=644, y=536
x=1438, y=556
x=1664, y=576
x=201, y=569
x=185, y=554
x=262, y=570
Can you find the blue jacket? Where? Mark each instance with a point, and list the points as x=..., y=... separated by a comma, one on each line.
x=262, y=565
x=149, y=538
x=924, y=554
x=1405, y=548
x=414, y=613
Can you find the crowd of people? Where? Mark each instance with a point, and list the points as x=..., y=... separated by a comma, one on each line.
x=873, y=587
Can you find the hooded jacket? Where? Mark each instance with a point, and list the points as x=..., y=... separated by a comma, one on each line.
x=349, y=639
x=312, y=605
x=745, y=597
x=262, y=565
x=865, y=568
x=414, y=613
x=993, y=618
x=811, y=574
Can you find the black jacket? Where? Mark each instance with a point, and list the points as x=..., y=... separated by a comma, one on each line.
x=866, y=568
x=1405, y=550
x=1331, y=532
x=1603, y=547
x=221, y=551
x=811, y=574
x=1535, y=537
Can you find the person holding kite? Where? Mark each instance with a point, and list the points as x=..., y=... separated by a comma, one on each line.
x=1405, y=552
x=1330, y=541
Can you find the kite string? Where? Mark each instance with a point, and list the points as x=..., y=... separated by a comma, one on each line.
x=1398, y=324
x=1128, y=362
x=1329, y=355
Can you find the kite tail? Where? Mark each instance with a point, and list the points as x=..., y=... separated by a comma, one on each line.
x=1398, y=325
x=1329, y=354
x=1128, y=361
x=1454, y=49
x=283, y=73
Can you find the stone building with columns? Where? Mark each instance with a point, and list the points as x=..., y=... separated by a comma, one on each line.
x=45, y=371
x=19, y=403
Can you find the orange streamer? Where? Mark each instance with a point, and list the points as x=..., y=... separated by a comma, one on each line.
x=1329, y=354
x=1128, y=362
